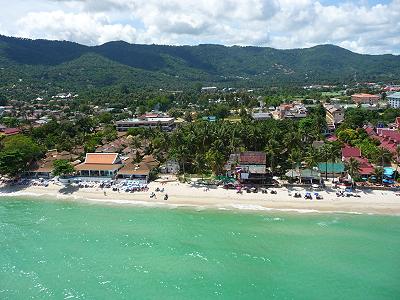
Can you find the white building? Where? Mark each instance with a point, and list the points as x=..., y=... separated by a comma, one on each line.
x=394, y=100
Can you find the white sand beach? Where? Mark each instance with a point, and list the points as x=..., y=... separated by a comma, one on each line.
x=186, y=195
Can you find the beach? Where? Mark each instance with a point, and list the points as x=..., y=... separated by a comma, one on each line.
x=191, y=195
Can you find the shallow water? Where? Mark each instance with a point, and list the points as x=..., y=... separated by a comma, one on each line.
x=66, y=250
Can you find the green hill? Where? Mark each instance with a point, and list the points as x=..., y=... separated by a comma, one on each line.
x=41, y=64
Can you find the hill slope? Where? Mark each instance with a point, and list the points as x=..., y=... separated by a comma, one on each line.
x=40, y=64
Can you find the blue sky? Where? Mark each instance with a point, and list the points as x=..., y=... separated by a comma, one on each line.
x=365, y=26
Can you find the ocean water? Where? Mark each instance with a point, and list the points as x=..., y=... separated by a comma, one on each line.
x=69, y=250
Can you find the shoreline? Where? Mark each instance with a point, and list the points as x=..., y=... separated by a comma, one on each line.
x=187, y=196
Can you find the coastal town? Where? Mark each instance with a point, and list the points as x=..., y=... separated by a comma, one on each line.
x=344, y=140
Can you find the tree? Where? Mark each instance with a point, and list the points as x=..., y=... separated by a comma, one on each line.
x=62, y=167
x=378, y=172
x=12, y=162
x=353, y=168
x=272, y=150
x=17, y=153
x=215, y=160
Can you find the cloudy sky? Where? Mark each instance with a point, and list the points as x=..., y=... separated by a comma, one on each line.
x=366, y=26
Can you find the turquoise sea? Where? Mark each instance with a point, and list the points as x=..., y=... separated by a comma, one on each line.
x=69, y=250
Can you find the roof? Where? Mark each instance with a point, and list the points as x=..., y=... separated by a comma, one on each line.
x=11, y=131
x=252, y=157
x=97, y=167
x=101, y=158
x=394, y=96
x=331, y=167
x=363, y=95
x=351, y=152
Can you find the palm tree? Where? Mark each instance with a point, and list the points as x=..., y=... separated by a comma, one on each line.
x=294, y=158
x=272, y=150
x=378, y=172
x=334, y=153
x=353, y=168
x=325, y=152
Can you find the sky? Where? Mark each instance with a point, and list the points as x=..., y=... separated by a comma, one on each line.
x=363, y=26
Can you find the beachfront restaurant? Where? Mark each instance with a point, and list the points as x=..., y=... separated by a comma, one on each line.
x=139, y=173
x=99, y=166
x=331, y=169
x=305, y=176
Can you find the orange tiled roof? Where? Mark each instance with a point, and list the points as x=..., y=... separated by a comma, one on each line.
x=101, y=158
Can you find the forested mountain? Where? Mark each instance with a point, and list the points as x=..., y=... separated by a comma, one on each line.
x=42, y=64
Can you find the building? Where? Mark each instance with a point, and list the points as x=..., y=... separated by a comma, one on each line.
x=365, y=98
x=260, y=116
x=10, y=131
x=290, y=111
x=334, y=115
x=249, y=167
x=165, y=123
x=44, y=167
x=394, y=100
x=331, y=169
x=350, y=152
x=99, y=166
x=366, y=169
x=139, y=172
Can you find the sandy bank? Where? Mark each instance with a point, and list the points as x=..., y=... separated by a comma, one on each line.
x=373, y=202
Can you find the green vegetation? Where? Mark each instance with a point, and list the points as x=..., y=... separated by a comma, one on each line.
x=30, y=67
x=62, y=167
x=17, y=152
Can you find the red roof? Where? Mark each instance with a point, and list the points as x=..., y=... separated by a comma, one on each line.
x=393, y=135
x=332, y=138
x=366, y=170
x=398, y=121
x=11, y=131
x=258, y=158
x=348, y=152
x=370, y=130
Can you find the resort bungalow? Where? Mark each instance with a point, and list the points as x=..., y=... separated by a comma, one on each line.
x=305, y=176
x=249, y=167
x=331, y=169
x=99, y=166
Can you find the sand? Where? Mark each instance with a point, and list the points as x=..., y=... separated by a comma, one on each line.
x=186, y=195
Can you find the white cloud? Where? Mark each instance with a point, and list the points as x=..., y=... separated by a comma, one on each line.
x=277, y=23
x=86, y=28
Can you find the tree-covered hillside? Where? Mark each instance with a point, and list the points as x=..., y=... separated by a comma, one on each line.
x=35, y=65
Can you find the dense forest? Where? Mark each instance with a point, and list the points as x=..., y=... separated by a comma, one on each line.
x=33, y=66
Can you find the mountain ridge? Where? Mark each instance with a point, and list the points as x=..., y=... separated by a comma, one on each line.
x=48, y=63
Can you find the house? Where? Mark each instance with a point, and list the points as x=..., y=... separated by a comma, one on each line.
x=10, y=131
x=44, y=167
x=249, y=167
x=388, y=138
x=290, y=111
x=331, y=169
x=260, y=116
x=394, y=100
x=365, y=98
x=99, y=166
x=334, y=115
x=350, y=152
x=306, y=176
x=165, y=123
x=366, y=169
